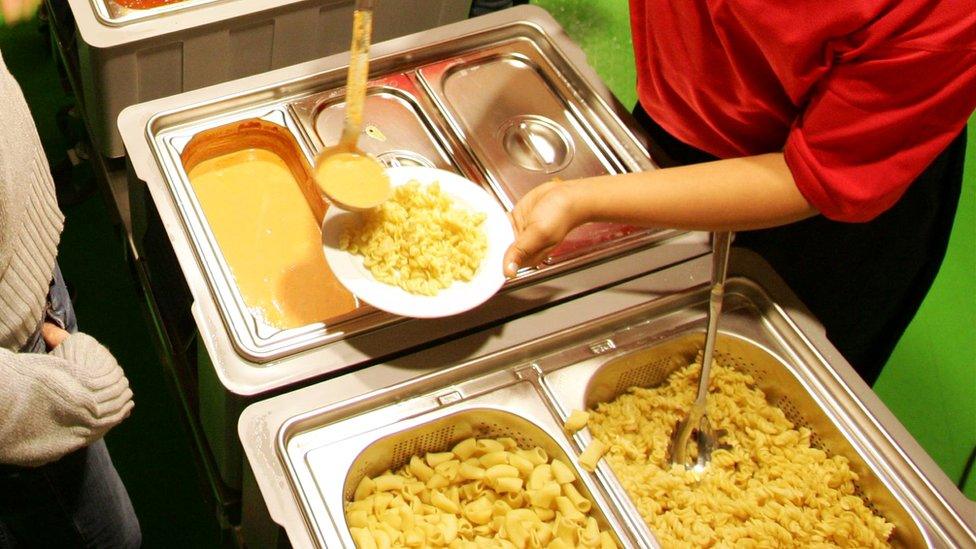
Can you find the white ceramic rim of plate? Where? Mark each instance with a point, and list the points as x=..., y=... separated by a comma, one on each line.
x=457, y=298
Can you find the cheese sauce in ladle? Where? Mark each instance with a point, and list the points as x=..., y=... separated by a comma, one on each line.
x=347, y=176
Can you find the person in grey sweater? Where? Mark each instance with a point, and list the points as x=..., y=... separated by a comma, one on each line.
x=60, y=390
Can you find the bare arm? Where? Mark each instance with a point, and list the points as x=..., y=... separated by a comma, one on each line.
x=736, y=194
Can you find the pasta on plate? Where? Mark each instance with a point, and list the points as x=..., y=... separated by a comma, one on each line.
x=419, y=240
x=482, y=493
x=770, y=489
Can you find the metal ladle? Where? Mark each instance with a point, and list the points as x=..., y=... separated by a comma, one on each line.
x=362, y=29
x=696, y=422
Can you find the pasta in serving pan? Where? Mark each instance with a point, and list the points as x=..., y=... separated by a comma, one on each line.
x=483, y=493
x=770, y=488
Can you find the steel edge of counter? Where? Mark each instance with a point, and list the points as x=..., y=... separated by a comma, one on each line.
x=309, y=363
x=247, y=379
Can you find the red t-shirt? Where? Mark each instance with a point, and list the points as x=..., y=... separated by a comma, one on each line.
x=861, y=95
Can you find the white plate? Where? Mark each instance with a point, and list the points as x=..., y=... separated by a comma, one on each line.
x=456, y=298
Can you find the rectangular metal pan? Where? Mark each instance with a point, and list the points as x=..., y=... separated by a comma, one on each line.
x=522, y=122
x=184, y=149
x=113, y=13
x=519, y=125
x=329, y=462
x=748, y=347
x=398, y=126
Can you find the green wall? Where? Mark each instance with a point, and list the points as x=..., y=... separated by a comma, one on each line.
x=930, y=381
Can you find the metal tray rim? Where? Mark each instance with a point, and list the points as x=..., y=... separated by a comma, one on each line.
x=916, y=509
x=243, y=335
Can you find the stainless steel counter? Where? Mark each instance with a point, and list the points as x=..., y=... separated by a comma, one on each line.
x=328, y=428
x=250, y=358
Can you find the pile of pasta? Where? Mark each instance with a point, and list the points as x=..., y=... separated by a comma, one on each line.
x=769, y=489
x=418, y=240
x=483, y=493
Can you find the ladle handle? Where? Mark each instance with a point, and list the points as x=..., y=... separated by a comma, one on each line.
x=721, y=241
x=362, y=29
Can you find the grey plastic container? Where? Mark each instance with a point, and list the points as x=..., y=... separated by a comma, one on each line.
x=119, y=62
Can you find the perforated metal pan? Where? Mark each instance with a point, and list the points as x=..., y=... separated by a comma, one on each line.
x=385, y=439
x=746, y=344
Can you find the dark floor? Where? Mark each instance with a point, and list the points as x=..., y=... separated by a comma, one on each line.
x=151, y=449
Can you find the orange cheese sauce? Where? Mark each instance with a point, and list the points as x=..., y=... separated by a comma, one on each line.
x=269, y=238
x=352, y=180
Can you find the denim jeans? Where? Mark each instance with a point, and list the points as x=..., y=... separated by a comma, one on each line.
x=77, y=501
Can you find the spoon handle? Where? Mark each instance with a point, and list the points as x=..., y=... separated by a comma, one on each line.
x=362, y=28
x=721, y=241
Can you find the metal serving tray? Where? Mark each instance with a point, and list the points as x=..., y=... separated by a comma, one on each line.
x=591, y=362
x=579, y=376
x=387, y=438
x=398, y=128
x=252, y=335
x=523, y=124
x=240, y=372
x=112, y=13
x=404, y=124
x=646, y=359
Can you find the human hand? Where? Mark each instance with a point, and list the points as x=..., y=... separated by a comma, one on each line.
x=60, y=401
x=18, y=10
x=53, y=335
x=92, y=367
x=541, y=220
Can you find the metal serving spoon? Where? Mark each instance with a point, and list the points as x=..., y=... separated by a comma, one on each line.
x=366, y=170
x=696, y=422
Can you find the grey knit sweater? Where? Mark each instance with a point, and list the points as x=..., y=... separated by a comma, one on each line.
x=50, y=404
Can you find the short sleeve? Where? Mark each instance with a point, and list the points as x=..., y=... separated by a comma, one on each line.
x=873, y=124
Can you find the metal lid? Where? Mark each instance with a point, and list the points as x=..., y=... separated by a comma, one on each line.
x=537, y=143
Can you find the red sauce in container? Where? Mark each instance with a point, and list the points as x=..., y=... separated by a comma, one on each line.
x=144, y=4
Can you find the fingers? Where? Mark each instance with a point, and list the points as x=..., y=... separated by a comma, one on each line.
x=104, y=401
x=117, y=410
x=110, y=413
x=53, y=335
x=529, y=249
x=541, y=219
x=111, y=392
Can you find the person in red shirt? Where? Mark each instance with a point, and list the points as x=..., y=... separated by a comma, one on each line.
x=830, y=135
